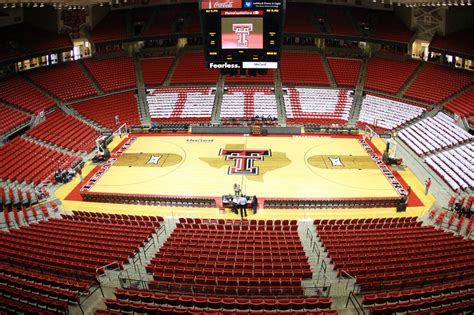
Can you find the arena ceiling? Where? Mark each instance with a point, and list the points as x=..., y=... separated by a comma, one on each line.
x=79, y=4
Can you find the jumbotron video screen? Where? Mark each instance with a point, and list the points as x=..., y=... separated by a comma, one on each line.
x=242, y=34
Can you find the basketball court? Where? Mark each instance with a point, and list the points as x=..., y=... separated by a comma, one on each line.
x=300, y=167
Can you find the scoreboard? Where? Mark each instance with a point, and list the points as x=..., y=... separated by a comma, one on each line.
x=242, y=34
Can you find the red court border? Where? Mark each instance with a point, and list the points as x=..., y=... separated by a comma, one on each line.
x=75, y=195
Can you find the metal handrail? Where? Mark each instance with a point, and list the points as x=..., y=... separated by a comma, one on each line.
x=129, y=283
x=349, y=276
x=355, y=302
x=308, y=231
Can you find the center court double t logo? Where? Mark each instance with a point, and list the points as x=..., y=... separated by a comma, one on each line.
x=244, y=160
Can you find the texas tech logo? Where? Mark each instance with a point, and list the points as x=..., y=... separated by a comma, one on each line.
x=244, y=160
x=242, y=30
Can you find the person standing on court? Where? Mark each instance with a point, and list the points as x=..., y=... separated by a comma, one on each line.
x=427, y=185
x=237, y=189
x=254, y=204
x=242, y=201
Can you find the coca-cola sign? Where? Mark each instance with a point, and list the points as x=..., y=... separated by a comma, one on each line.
x=221, y=4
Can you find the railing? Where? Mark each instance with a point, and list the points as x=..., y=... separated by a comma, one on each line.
x=314, y=246
x=348, y=277
x=138, y=283
x=355, y=302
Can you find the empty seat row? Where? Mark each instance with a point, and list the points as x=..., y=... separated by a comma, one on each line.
x=65, y=131
x=248, y=102
x=113, y=73
x=180, y=104
x=317, y=106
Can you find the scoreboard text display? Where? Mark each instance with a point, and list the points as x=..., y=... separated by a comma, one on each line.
x=243, y=34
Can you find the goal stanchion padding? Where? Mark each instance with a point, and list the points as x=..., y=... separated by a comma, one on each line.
x=122, y=130
x=370, y=133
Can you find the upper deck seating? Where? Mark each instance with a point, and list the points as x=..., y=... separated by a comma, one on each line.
x=112, y=27
x=165, y=21
x=379, y=69
x=113, y=73
x=463, y=104
x=389, y=27
x=461, y=41
x=339, y=21
x=300, y=18
x=22, y=94
x=345, y=71
x=155, y=70
x=66, y=81
x=303, y=68
x=200, y=74
x=435, y=83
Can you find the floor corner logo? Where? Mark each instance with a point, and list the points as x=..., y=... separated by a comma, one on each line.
x=244, y=160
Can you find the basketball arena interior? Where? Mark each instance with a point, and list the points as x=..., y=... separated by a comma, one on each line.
x=236, y=157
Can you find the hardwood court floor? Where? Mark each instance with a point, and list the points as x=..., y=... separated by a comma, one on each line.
x=294, y=167
x=65, y=192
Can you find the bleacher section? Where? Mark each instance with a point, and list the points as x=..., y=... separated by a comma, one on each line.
x=379, y=69
x=163, y=303
x=65, y=131
x=463, y=104
x=164, y=22
x=191, y=69
x=104, y=109
x=433, y=134
x=461, y=41
x=317, y=106
x=389, y=27
x=51, y=263
x=383, y=113
x=389, y=256
x=455, y=166
x=300, y=18
x=302, y=68
x=155, y=70
x=345, y=71
x=176, y=105
x=10, y=118
x=267, y=78
x=231, y=258
x=30, y=162
x=22, y=94
x=248, y=102
x=339, y=21
x=112, y=28
x=435, y=83
x=113, y=73
x=66, y=81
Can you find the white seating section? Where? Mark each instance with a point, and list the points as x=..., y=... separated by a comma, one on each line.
x=308, y=103
x=180, y=103
x=387, y=113
x=433, y=134
x=455, y=166
x=248, y=102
